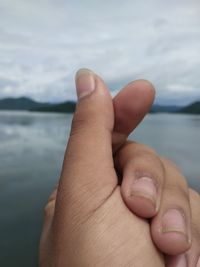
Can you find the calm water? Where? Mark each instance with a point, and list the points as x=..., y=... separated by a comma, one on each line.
x=31, y=151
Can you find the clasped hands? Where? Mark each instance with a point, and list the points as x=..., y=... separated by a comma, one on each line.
x=118, y=203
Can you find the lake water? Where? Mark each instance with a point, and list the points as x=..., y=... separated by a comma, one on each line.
x=31, y=152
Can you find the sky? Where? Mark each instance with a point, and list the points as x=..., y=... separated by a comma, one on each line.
x=44, y=42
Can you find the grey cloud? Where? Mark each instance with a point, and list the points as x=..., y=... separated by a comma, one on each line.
x=156, y=40
x=160, y=23
x=6, y=82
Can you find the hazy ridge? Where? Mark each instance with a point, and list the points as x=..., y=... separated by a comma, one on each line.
x=25, y=103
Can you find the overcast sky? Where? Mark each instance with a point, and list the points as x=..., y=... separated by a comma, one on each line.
x=44, y=42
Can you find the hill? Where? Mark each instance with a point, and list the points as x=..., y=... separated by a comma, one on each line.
x=25, y=103
x=65, y=107
x=169, y=109
x=193, y=108
x=21, y=103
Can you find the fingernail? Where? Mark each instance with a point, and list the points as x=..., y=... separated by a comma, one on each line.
x=174, y=221
x=145, y=187
x=176, y=261
x=85, y=82
x=198, y=263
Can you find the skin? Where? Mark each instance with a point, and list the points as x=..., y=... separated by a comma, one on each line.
x=84, y=227
x=133, y=157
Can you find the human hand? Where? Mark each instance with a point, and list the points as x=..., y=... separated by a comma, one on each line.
x=90, y=225
x=153, y=187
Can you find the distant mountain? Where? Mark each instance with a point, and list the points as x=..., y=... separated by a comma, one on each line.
x=193, y=108
x=168, y=109
x=21, y=103
x=25, y=103
x=65, y=107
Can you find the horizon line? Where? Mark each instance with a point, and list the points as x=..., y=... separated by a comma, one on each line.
x=75, y=101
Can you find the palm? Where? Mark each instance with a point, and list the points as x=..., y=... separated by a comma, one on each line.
x=122, y=238
x=114, y=237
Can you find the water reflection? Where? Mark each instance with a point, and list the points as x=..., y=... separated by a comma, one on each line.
x=175, y=137
x=31, y=151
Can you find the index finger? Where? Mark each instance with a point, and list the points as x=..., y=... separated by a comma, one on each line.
x=131, y=104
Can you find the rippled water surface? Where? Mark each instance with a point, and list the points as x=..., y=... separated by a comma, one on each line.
x=31, y=151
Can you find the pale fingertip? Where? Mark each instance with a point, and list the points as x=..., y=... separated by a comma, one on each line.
x=85, y=82
x=141, y=206
x=171, y=243
x=145, y=188
x=174, y=221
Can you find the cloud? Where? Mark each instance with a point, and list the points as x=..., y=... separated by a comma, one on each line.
x=43, y=43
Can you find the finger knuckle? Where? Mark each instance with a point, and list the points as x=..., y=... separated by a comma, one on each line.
x=179, y=179
x=194, y=195
x=177, y=191
x=147, y=164
x=169, y=162
x=138, y=148
x=144, y=149
x=80, y=123
x=150, y=158
x=183, y=183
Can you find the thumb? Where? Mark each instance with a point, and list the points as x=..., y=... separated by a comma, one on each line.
x=88, y=175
